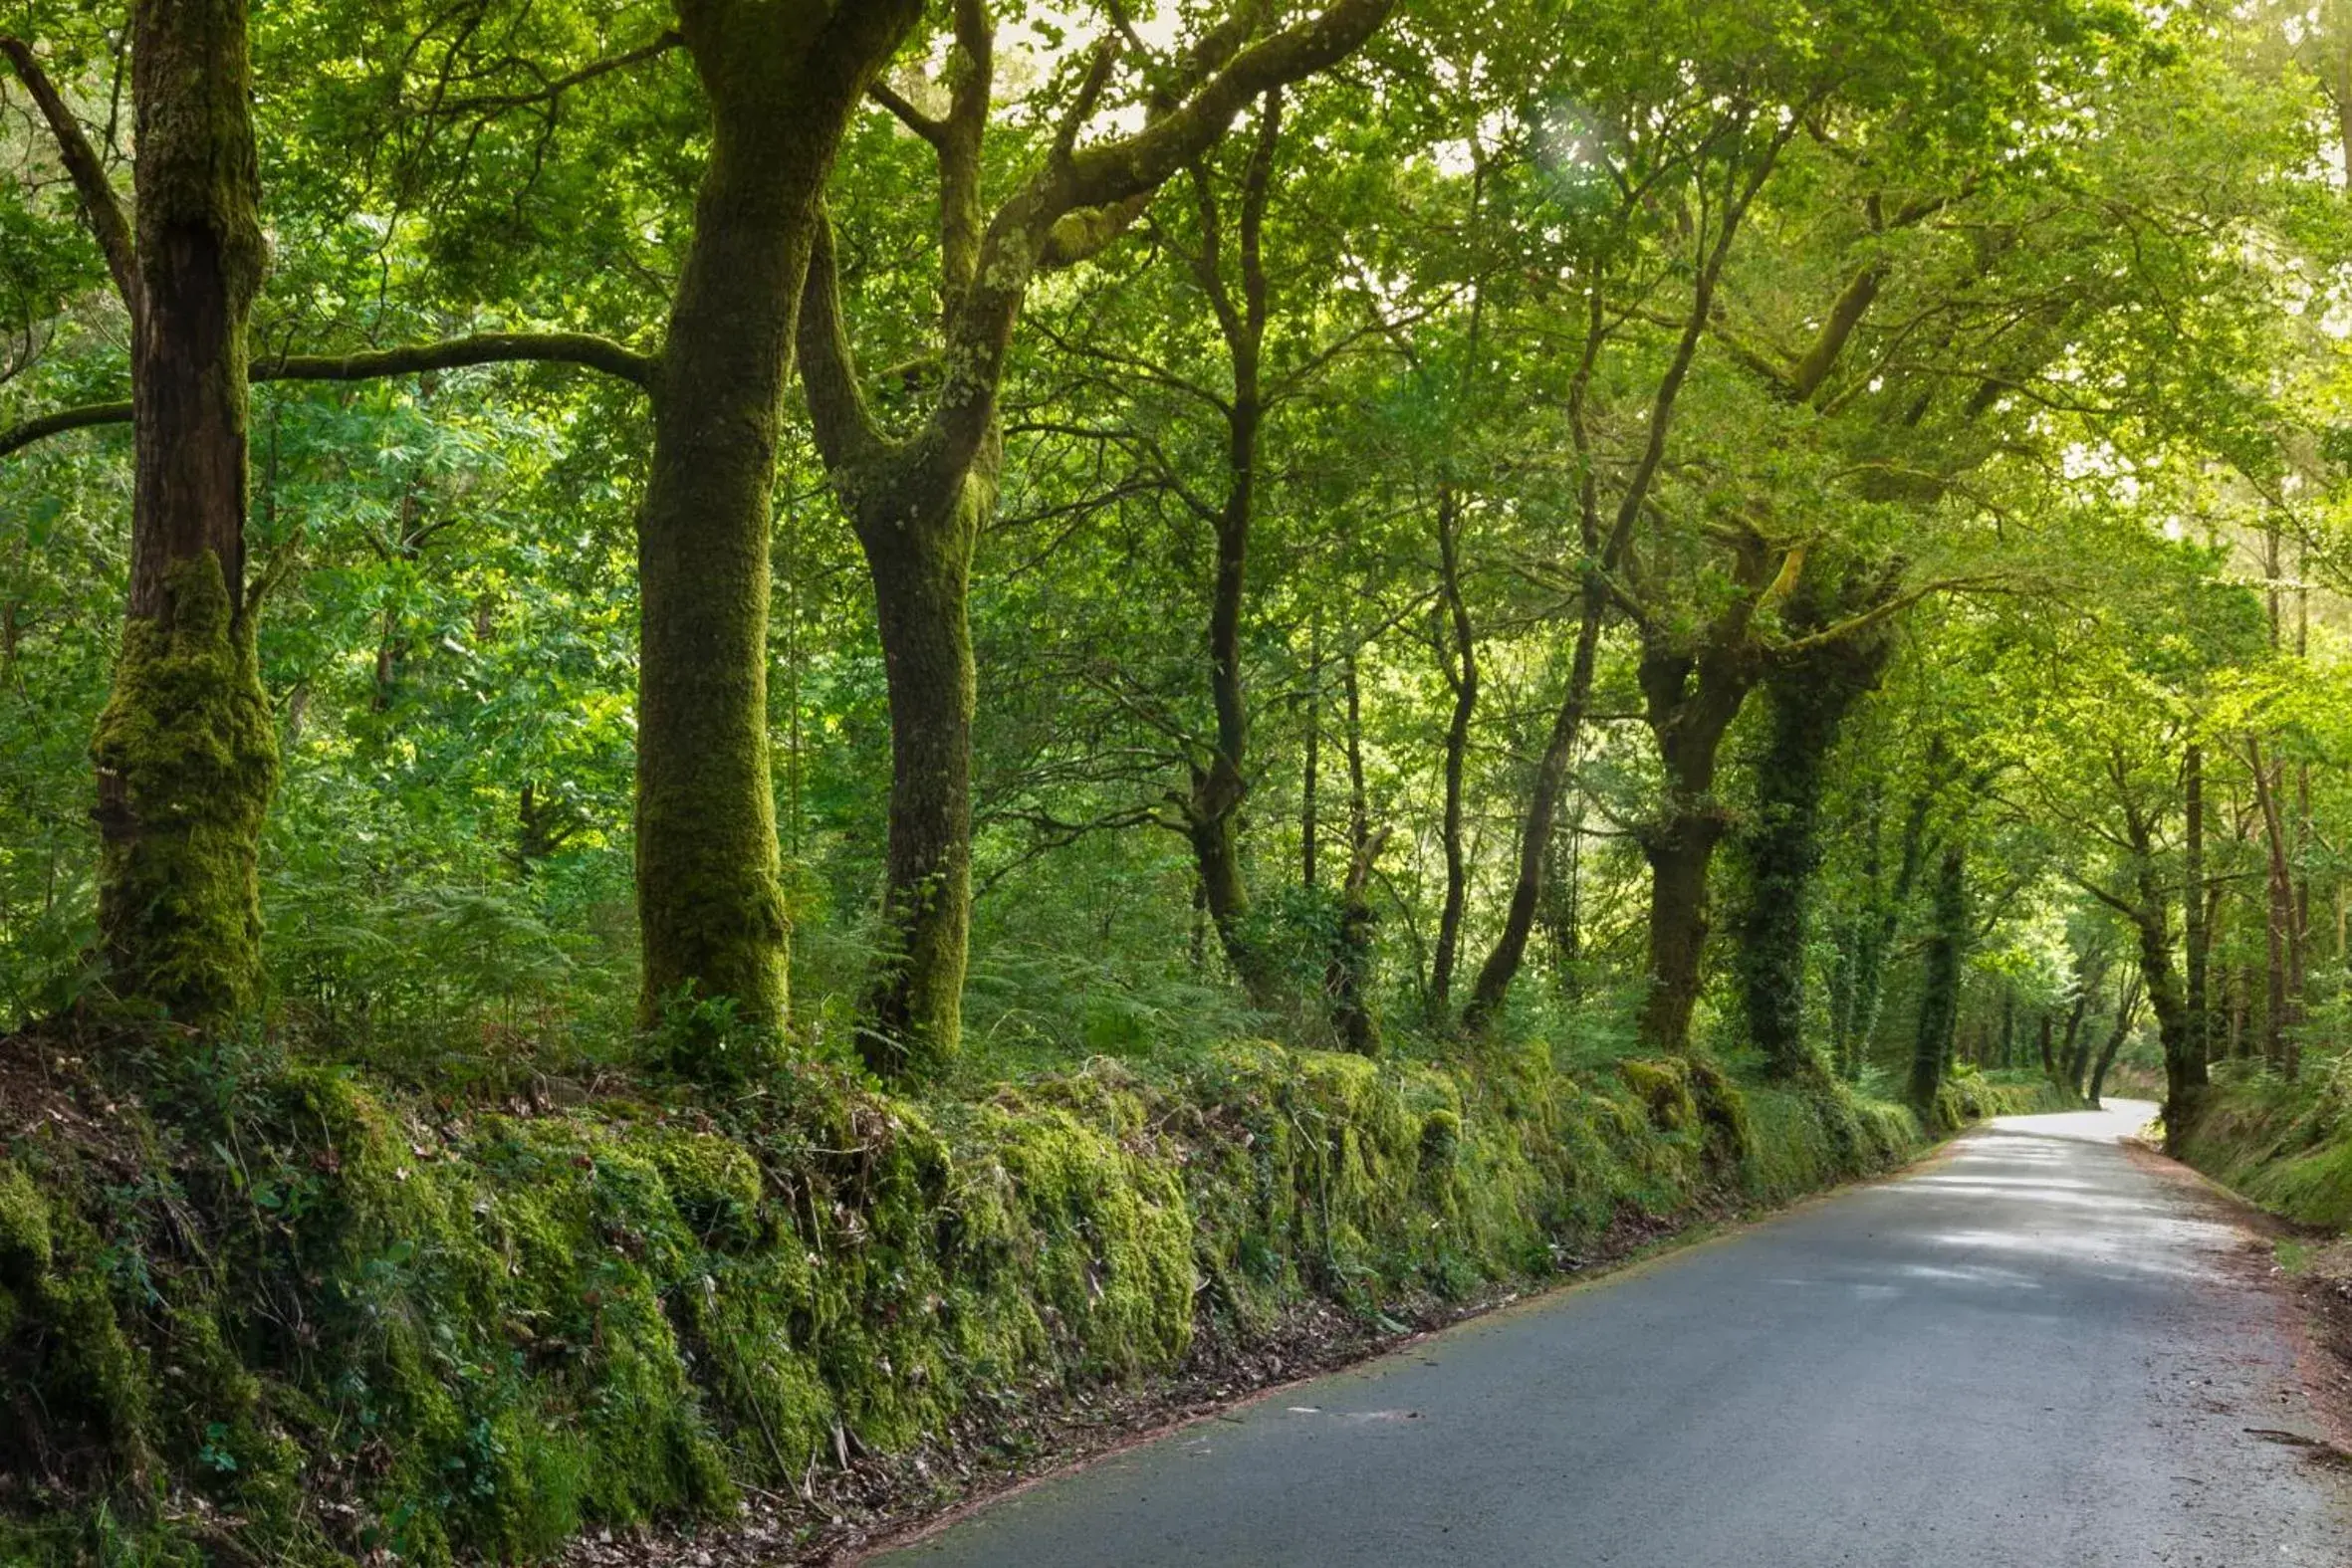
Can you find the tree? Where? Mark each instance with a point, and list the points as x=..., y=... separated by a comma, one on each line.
x=916, y=500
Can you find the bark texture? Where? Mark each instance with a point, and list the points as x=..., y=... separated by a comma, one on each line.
x=1939, y=1002
x=783, y=80
x=1811, y=696
x=186, y=754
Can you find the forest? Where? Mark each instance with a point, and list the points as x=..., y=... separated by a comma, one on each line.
x=738, y=736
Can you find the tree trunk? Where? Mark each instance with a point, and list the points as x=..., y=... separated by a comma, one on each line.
x=1562, y=906
x=1310, y=776
x=2282, y=1021
x=783, y=82
x=1844, y=965
x=919, y=551
x=2184, y=1075
x=1810, y=699
x=186, y=754
x=1678, y=853
x=1459, y=648
x=1938, y=1003
x=2197, y=935
x=2074, y=1047
x=2126, y=1005
x=1534, y=838
x=918, y=499
x=1212, y=814
x=1347, y=981
x=1883, y=924
x=1689, y=701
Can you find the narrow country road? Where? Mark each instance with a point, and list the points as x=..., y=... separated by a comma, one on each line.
x=2038, y=1349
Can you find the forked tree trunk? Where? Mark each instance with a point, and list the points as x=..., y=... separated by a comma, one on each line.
x=186, y=754
x=916, y=500
x=1689, y=701
x=2127, y=1006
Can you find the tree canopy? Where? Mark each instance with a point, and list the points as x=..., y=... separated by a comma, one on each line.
x=966, y=537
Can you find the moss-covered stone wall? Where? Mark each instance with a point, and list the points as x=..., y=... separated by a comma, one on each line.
x=277, y=1311
x=2286, y=1145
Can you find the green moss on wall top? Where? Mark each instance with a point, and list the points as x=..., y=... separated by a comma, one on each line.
x=365, y=1328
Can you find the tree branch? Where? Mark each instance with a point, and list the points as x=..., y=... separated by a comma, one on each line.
x=99, y=205
x=491, y=102
x=1113, y=173
x=580, y=348
x=928, y=127
x=845, y=431
x=88, y=416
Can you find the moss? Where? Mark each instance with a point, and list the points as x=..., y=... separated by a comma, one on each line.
x=1722, y=1116
x=714, y=1185
x=1664, y=1088
x=89, y=1376
x=187, y=761
x=523, y=1327
x=2286, y=1145
x=24, y=1230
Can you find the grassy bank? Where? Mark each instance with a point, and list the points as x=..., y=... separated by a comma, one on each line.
x=2286, y=1145
x=256, y=1310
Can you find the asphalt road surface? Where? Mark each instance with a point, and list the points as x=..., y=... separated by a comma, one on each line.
x=2035, y=1350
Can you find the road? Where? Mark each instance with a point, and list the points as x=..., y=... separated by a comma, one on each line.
x=2036, y=1349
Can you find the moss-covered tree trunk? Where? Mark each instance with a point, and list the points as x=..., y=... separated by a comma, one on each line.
x=2184, y=1076
x=783, y=80
x=185, y=752
x=917, y=535
x=1939, y=1000
x=1811, y=694
x=1690, y=699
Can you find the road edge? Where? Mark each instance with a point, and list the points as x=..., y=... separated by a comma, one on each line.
x=1703, y=1231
